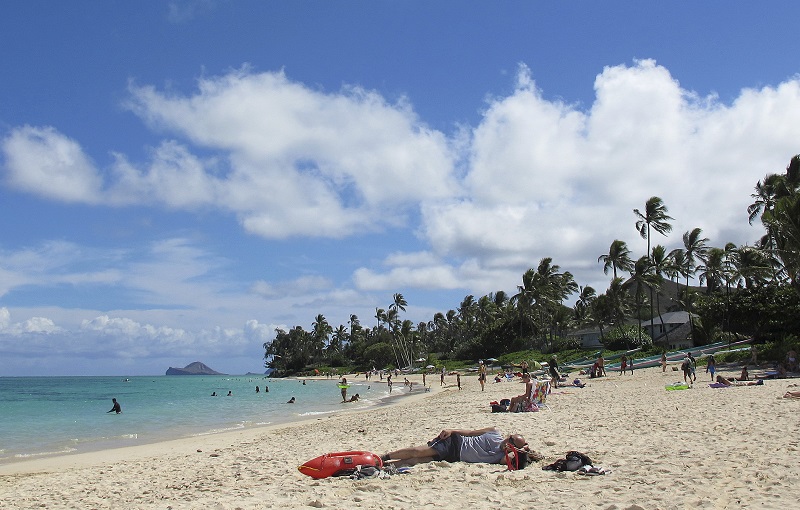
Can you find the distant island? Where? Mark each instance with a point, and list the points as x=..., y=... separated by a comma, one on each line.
x=195, y=368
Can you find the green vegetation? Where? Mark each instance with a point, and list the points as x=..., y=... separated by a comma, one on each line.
x=744, y=291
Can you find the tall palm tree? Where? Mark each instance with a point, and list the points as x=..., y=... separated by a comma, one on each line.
x=583, y=305
x=618, y=257
x=319, y=334
x=654, y=217
x=712, y=272
x=642, y=275
x=695, y=249
x=661, y=264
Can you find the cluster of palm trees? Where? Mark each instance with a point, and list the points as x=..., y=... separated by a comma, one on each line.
x=536, y=316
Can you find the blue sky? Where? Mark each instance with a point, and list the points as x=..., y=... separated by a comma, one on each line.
x=179, y=178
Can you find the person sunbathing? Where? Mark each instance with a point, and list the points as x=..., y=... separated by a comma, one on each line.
x=792, y=394
x=487, y=445
x=734, y=382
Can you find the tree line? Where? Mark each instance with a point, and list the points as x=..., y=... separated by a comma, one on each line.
x=739, y=291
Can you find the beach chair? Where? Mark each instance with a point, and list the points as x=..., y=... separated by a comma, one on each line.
x=539, y=394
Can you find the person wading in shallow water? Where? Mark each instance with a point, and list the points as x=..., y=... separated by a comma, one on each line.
x=116, y=407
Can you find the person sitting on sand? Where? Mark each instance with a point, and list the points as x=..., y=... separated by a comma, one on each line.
x=483, y=445
x=745, y=375
x=354, y=398
x=522, y=401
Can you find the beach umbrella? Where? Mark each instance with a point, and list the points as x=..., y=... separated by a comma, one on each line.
x=430, y=366
x=420, y=360
x=491, y=359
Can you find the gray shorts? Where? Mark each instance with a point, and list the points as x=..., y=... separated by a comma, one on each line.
x=448, y=449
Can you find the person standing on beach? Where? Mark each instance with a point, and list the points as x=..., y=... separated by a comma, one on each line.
x=423, y=378
x=482, y=374
x=389, y=381
x=687, y=370
x=116, y=407
x=664, y=361
x=711, y=367
x=343, y=387
x=458, y=380
x=693, y=367
x=552, y=366
x=623, y=364
x=441, y=383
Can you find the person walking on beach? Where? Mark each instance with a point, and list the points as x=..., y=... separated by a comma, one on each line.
x=389, y=381
x=441, y=380
x=458, y=380
x=693, y=367
x=687, y=371
x=482, y=374
x=623, y=364
x=116, y=407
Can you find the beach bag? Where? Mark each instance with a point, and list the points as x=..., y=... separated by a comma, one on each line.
x=573, y=461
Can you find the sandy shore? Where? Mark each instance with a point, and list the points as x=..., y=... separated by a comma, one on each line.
x=703, y=447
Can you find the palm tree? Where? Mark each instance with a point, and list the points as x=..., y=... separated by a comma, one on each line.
x=618, y=257
x=677, y=264
x=661, y=264
x=695, y=249
x=765, y=196
x=319, y=334
x=642, y=275
x=583, y=306
x=655, y=216
x=713, y=271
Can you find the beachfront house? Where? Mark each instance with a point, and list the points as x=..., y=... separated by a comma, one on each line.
x=670, y=330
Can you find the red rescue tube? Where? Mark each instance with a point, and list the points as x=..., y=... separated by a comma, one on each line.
x=338, y=464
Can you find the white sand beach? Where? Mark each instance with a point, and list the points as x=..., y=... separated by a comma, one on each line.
x=698, y=448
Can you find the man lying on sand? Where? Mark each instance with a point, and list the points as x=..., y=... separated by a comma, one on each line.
x=483, y=445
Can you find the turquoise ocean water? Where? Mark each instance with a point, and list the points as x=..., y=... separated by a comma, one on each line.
x=41, y=416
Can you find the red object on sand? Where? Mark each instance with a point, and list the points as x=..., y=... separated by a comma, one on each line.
x=339, y=463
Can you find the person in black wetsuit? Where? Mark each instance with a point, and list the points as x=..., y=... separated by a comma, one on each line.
x=116, y=407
